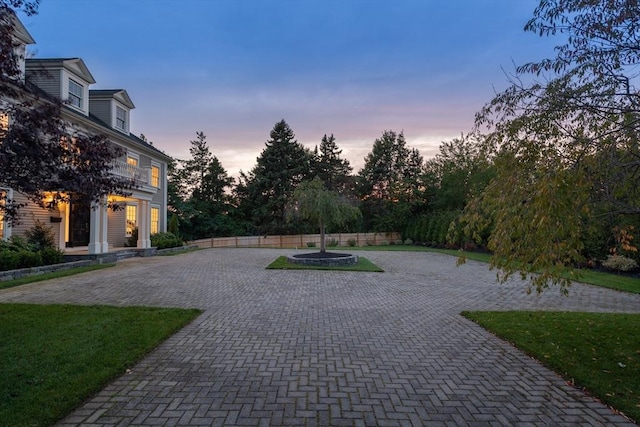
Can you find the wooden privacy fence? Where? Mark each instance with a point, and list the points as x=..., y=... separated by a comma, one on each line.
x=300, y=241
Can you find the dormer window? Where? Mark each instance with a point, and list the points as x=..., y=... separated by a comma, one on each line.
x=75, y=93
x=121, y=119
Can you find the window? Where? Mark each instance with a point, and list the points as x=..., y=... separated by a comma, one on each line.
x=121, y=118
x=75, y=93
x=132, y=219
x=155, y=176
x=4, y=126
x=133, y=161
x=155, y=220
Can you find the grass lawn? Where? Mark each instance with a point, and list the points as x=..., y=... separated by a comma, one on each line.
x=54, y=357
x=599, y=352
x=363, y=264
x=52, y=275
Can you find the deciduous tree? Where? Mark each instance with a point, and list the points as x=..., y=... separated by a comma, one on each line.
x=39, y=152
x=565, y=137
x=313, y=202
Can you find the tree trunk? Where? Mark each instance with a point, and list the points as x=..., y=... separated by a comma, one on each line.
x=322, y=247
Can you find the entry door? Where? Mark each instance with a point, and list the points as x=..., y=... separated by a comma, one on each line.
x=79, y=218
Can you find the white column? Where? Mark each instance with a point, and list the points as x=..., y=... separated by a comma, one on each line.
x=94, y=229
x=144, y=215
x=62, y=229
x=104, y=223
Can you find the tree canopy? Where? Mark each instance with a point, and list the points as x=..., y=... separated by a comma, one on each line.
x=325, y=208
x=265, y=192
x=565, y=140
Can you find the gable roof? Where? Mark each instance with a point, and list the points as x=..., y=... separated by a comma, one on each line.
x=120, y=95
x=74, y=65
x=19, y=30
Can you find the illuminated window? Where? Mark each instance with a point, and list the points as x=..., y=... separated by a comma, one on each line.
x=133, y=161
x=155, y=220
x=155, y=176
x=75, y=93
x=132, y=219
x=121, y=119
x=4, y=121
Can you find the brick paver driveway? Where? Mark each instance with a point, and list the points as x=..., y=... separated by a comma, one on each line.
x=328, y=348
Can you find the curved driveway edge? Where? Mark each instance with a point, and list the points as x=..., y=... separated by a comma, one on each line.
x=329, y=348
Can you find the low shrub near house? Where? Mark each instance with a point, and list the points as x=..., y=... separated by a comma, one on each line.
x=165, y=240
x=36, y=250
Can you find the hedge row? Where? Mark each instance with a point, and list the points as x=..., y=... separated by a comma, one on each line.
x=434, y=230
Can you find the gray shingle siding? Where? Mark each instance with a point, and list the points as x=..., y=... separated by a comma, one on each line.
x=49, y=81
x=101, y=109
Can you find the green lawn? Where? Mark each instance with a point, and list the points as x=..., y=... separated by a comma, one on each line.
x=52, y=275
x=597, y=351
x=54, y=357
x=363, y=264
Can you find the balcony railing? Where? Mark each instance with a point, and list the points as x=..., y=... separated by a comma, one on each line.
x=141, y=176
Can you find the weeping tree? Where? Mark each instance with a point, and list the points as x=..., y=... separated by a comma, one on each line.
x=565, y=139
x=326, y=208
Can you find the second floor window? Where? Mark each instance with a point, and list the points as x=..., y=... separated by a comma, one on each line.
x=75, y=93
x=133, y=161
x=155, y=176
x=121, y=119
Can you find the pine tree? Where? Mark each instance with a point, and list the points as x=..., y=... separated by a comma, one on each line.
x=331, y=168
x=281, y=167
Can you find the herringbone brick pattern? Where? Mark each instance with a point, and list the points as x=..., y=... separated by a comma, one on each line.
x=322, y=348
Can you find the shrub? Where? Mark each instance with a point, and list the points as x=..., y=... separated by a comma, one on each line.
x=9, y=260
x=351, y=242
x=28, y=259
x=51, y=256
x=173, y=225
x=408, y=242
x=332, y=243
x=165, y=240
x=619, y=263
x=311, y=244
x=40, y=236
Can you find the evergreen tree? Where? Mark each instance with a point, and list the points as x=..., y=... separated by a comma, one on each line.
x=389, y=182
x=196, y=167
x=330, y=167
x=266, y=190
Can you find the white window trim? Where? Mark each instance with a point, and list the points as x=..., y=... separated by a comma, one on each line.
x=133, y=156
x=64, y=95
x=119, y=119
x=81, y=98
x=126, y=219
x=159, y=166
x=114, y=116
x=154, y=206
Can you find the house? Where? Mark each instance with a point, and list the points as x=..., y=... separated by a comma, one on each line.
x=104, y=112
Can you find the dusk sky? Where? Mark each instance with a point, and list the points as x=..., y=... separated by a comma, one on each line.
x=354, y=68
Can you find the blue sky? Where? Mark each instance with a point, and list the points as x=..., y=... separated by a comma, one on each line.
x=354, y=68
